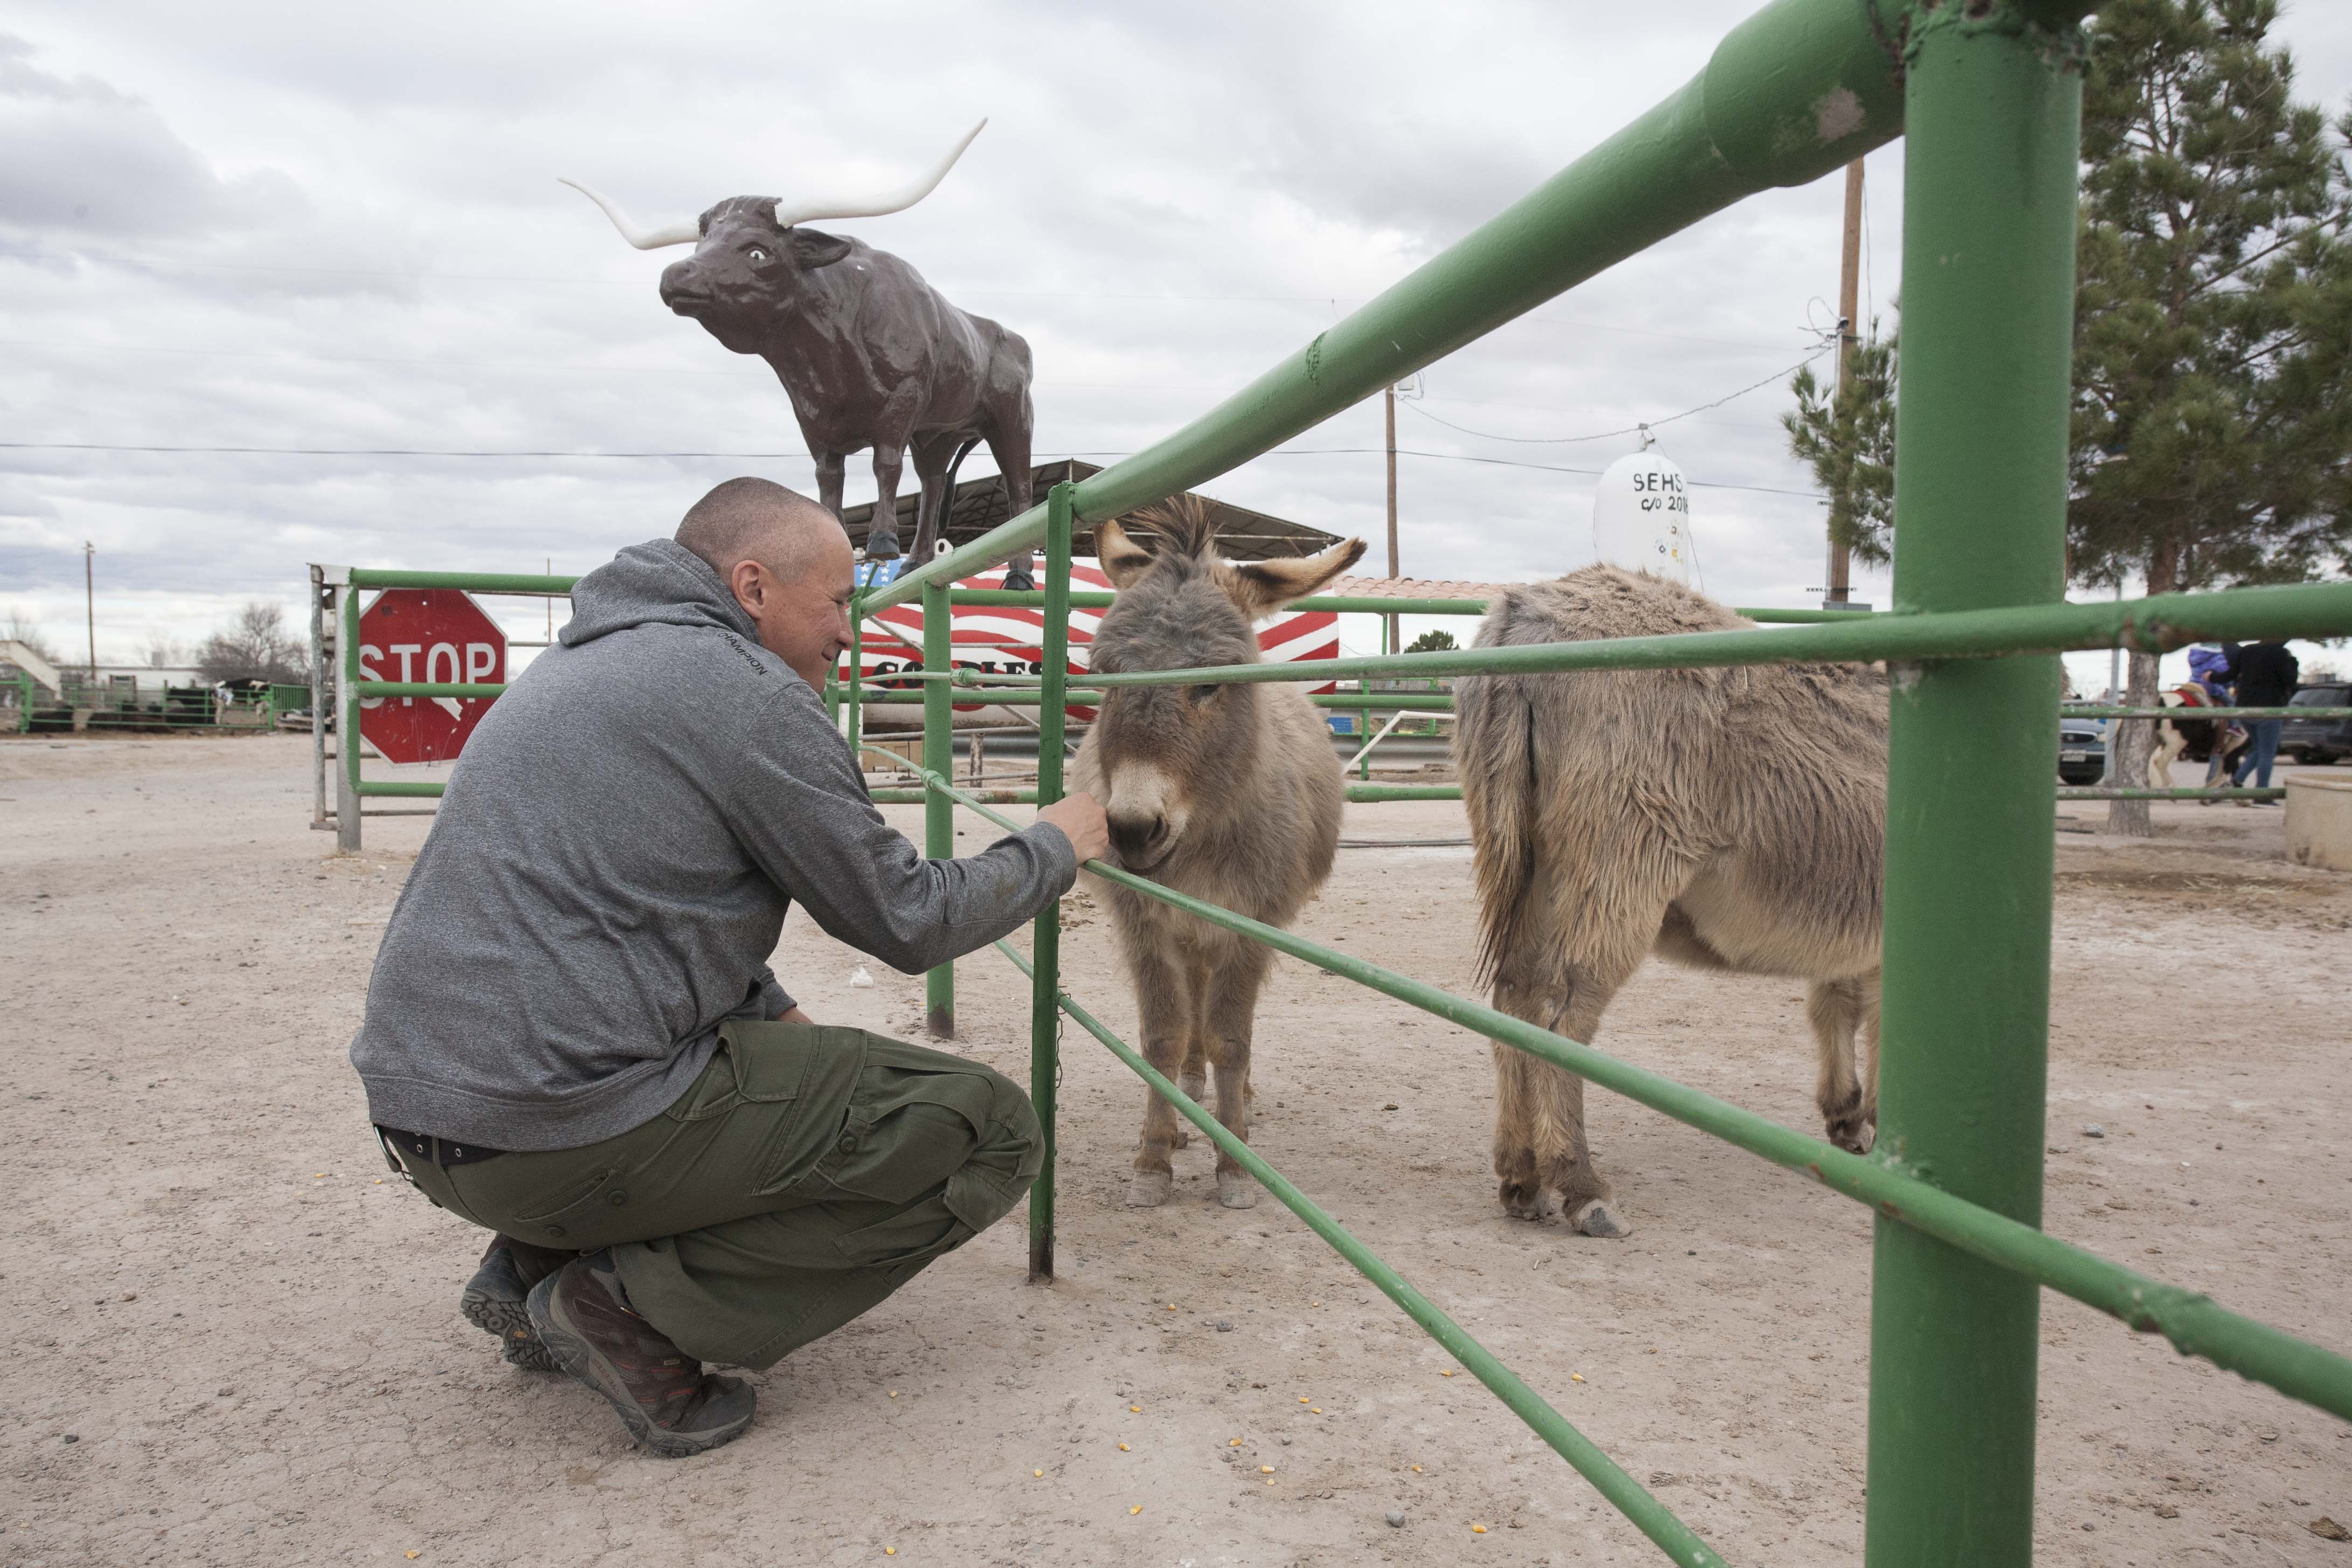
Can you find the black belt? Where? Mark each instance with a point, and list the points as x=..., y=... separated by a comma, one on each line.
x=439, y=1150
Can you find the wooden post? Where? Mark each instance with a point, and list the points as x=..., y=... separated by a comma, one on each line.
x=1388, y=402
x=1841, y=576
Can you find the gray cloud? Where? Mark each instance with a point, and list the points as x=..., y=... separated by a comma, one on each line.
x=311, y=228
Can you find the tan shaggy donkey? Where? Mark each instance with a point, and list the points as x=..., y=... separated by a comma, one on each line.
x=1229, y=792
x=1729, y=820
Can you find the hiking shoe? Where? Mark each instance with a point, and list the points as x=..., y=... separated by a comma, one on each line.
x=671, y=1407
x=494, y=1297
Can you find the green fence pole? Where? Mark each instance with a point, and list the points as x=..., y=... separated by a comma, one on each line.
x=347, y=719
x=939, y=755
x=857, y=674
x=1993, y=111
x=1046, y=941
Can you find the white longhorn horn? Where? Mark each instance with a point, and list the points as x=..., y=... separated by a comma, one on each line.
x=685, y=233
x=905, y=196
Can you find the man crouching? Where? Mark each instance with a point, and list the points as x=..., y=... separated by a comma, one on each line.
x=572, y=1036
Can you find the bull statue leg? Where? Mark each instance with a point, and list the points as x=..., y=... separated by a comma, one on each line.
x=935, y=460
x=1229, y=1014
x=1008, y=443
x=882, y=536
x=1164, y=995
x=832, y=470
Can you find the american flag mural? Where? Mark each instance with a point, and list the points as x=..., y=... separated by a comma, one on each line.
x=1003, y=638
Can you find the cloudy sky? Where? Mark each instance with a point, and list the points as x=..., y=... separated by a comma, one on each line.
x=278, y=227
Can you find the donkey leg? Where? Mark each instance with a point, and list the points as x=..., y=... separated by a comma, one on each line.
x=1834, y=1008
x=1194, y=1080
x=1586, y=1198
x=1229, y=1007
x=1165, y=1002
x=1517, y=1184
x=1870, y=1053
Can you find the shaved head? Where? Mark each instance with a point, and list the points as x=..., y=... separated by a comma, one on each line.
x=758, y=519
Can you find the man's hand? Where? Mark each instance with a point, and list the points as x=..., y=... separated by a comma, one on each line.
x=1080, y=818
x=794, y=1015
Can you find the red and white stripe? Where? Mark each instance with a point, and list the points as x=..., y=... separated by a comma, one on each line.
x=1005, y=638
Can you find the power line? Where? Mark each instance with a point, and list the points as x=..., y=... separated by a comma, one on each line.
x=803, y=457
x=1631, y=430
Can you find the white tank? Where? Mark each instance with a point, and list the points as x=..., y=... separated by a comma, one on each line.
x=1641, y=516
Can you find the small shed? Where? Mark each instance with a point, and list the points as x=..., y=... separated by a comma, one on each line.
x=978, y=506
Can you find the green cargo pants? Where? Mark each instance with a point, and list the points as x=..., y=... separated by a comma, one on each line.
x=810, y=1172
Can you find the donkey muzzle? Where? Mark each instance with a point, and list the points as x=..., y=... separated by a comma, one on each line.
x=1142, y=842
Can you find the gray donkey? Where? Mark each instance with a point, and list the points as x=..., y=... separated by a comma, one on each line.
x=1231, y=793
x=1729, y=819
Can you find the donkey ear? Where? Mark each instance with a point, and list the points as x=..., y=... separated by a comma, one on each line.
x=1123, y=559
x=1259, y=587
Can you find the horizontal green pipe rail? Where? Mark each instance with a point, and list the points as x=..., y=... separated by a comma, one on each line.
x=1650, y=1516
x=2102, y=791
x=1752, y=119
x=472, y=688
x=2194, y=1324
x=470, y=582
x=2154, y=625
x=918, y=797
x=1356, y=792
x=2086, y=711
x=1409, y=701
x=412, y=788
x=1346, y=603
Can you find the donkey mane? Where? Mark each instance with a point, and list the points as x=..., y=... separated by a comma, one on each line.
x=1183, y=523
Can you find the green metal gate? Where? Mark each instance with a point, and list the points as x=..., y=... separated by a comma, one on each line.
x=1989, y=95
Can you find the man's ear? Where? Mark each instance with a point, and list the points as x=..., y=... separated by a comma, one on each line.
x=812, y=249
x=1123, y=559
x=744, y=581
x=1260, y=587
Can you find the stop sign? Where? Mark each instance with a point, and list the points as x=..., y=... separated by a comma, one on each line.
x=427, y=634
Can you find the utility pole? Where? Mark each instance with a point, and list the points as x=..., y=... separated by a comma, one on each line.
x=1388, y=402
x=90, y=601
x=1849, y=304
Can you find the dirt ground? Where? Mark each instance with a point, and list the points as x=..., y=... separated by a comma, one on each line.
x=232, y=1339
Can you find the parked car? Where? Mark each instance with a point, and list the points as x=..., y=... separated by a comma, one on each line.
x=2317, y=741
x=2082, y=752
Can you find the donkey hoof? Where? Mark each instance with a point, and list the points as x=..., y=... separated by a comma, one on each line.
x=1237, y=1189
x=1852, y=1134
x=1150, y=1189
x=1594, y=1219
x=1521, y=1200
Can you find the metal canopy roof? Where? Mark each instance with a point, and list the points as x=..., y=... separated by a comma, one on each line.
x=978, y=506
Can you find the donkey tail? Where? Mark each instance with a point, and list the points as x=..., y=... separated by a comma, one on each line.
x=1495, y=750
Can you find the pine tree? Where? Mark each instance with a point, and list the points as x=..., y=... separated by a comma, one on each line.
x=1848, y=438
x=2212, y=440
x=2213, y=319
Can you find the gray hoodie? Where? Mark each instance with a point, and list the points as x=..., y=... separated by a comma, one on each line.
x=611, y=865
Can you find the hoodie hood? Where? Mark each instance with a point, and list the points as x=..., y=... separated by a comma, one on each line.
x=658, y=583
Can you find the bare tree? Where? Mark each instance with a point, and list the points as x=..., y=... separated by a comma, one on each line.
x=22, y=627
x=255, y=644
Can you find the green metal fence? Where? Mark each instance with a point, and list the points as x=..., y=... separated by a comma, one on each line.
x=1988, y=95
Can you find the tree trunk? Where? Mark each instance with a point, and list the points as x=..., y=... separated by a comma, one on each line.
x=2134, y=743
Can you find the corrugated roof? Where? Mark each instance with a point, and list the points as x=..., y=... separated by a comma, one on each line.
x=978, y=506
x=1412, y=588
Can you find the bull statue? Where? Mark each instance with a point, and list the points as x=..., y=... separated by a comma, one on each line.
x=869, y=353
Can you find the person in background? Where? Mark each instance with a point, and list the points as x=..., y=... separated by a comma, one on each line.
x=2266, y=677
x=2214, y=668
